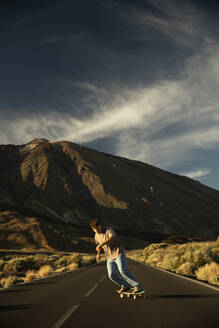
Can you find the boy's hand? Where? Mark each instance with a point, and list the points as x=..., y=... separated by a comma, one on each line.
x=98, y=248
x=98, y=258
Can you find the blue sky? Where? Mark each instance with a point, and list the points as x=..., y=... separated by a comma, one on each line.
x=137, y=79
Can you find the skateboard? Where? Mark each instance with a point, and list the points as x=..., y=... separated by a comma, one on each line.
x=134, y=295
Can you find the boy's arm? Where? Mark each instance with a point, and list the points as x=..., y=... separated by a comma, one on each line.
x=98, y=255
x=112, y=236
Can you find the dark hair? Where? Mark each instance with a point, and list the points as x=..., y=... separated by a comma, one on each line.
x=94, y=223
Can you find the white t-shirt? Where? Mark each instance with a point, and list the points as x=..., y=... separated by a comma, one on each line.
x=114, y=247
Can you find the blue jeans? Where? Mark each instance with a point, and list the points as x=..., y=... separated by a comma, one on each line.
x=119, y=273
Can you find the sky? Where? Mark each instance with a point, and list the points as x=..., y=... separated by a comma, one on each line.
x=133, y=78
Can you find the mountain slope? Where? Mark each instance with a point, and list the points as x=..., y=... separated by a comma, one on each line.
x=69, y=183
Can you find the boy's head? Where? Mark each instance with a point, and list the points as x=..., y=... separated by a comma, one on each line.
x=96, y=225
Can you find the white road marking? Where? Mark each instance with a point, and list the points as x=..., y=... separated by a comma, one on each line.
x=179, y=276
x=102, y=278
x=60, y=322
x=91, y=290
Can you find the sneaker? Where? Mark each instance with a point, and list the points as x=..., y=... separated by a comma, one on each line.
x=123, y=289
x=137, y=289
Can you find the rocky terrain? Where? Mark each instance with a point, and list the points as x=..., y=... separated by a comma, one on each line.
x=44, y=184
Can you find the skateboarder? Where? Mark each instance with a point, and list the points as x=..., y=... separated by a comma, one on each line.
x=117, y=268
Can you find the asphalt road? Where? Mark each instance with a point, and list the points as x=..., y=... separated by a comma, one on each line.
x=87, y=298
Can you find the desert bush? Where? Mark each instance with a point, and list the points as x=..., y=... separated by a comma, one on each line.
x=44, y=271
x=51, y=260
x=30, y=275
x=215, y=254
x=16, y=265
x=88, y=259
x=151, y=248
x=60, y=269
x=62, y=262
x=188, y=256
x=2, y=263
x=67, y=260
x=157, y=256
x=9, y=281
x=39, y=260
x=202, y=256
x=72, y=266
x=186, y=269
x=78, y=259
x=171, y=262
x=209, y=272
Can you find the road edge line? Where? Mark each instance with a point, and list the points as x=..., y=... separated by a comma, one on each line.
x=50, y=276
x=178, y=275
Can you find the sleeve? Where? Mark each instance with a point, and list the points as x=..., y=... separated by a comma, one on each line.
x=96, y=242
x=110, y=233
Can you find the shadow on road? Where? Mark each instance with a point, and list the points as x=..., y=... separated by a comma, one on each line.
x=6, y=308
x=41, y=283
x=15, y=290
x=185, y=296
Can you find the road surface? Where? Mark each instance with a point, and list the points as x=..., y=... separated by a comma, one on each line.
x=87, y=298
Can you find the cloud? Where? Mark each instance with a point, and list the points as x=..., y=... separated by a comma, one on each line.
x=21, y=21
x=189, y=104
x=181, y=21
x=197, y=173
x=57, y=39
x=161, y=124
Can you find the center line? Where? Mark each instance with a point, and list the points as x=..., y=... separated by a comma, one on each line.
x=59, y=323
x=102, y=278
x=91, y=290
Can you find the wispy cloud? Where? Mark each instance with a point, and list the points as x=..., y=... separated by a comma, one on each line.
x=197, y=173
x=22, y=21
x=57, y=39
x=181, y=21
x=161, y=124
x=142, y=120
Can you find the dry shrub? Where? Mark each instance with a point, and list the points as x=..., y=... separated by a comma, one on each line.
x=187, y=269
x=151, y=248
x=62, y=269
x=157, y=256
x=72, y=266
x=16, y=265
x=68, y=259
x=215, y=254
x=2, y=282
x=2, y=263
x=89, y=259
x=30, y=275
x=40, y=260
x=9, y=281
x=62, y=261
x=171, y=262
x=44, y=271
x=209, y=272
x=202, y=255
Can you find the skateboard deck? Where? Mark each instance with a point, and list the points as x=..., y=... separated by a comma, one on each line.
x=134, y=295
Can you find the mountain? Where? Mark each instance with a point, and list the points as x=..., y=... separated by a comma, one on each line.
x=65, y=183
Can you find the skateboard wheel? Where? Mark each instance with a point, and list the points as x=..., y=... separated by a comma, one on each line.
x=128, y=295
x=134, y=297
x=121, y=295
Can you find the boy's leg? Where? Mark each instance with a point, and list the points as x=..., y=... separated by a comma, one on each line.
x=114, y=274
x=125, y=272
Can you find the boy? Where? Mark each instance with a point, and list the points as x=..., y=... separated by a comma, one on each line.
x=116, y=259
